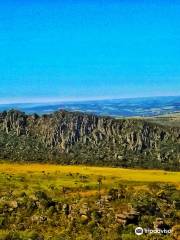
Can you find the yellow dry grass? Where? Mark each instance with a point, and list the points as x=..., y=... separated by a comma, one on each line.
x=138, y=175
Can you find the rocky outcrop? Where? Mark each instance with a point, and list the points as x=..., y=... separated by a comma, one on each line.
x=74, y=137
x=126, y=218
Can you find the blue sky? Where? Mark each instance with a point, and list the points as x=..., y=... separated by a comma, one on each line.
x=53, y=50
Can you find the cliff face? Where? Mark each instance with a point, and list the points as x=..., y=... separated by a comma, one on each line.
x=71, y=137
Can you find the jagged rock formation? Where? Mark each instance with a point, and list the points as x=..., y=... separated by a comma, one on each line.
x=74, y=137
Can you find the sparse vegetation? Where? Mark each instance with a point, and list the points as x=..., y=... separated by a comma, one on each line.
x=43, y=201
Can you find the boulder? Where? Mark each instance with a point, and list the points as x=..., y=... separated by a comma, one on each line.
x=84, y=219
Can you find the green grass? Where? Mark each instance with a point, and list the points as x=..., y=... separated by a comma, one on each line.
x=31, y=177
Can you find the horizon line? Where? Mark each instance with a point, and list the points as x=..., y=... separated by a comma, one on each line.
x=56, y=100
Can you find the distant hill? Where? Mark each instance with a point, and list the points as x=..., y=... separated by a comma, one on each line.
x=144, y=107
x=79, y=138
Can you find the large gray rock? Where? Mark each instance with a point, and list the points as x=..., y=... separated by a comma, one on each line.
x=74, y=137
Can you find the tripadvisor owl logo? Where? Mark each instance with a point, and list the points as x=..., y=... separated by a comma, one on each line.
x=139, y=231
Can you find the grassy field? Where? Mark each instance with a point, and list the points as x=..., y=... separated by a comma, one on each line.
x=121, y=173
x=46, y=176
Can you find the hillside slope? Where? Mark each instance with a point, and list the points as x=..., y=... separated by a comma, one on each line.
x=74, y=138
